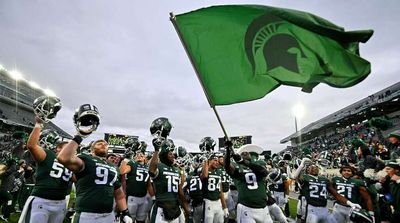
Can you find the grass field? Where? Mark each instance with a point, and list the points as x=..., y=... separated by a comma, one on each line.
x=292, y=208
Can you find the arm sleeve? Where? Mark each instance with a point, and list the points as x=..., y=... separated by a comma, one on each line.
x=259, y=170
x=227, y=159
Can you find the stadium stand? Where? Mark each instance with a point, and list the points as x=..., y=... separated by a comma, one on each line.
x=335, y=132
x=16, y=113
x=383, y=103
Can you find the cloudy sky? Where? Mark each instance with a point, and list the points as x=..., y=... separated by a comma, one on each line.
x=126, y=58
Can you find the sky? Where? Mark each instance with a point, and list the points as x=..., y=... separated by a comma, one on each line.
x=126, y=58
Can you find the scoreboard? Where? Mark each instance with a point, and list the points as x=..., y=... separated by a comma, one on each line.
x=117, y=140
x=237, y=141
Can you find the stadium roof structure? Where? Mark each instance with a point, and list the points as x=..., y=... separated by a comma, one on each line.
x=381, y=103
x=16, y=101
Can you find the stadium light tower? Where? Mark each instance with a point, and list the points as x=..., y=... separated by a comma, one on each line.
x=34, y=85
x=49, y=92
x=298, y=112
x=15, y=75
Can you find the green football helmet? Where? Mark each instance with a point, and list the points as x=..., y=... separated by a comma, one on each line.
x=160, y=127
x=46, y=107
x=287, y=156
x=86, y=119
x=360, y=216
x=143, y=146
x=180, y=151
x=132, y=143
x=274, y=176
x=207, y=144
x=48, y=139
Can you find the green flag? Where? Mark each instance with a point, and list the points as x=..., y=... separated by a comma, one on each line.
x=243, y=52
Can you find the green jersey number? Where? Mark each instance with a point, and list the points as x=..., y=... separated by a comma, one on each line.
x=59, y=171
x=193, y=184
x=251, y=181
x=212, y=184
x=141, y=174
x=224, y=178
x=102, y=176
x=173, y=183
x=316, y=193
x=342, y=190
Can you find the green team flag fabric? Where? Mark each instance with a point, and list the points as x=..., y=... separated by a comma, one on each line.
x=243, y=52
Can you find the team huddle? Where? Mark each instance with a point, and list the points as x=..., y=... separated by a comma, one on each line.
x=171, y=185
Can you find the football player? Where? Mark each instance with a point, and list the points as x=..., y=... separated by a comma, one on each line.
x=215, y=208
x=315, y=192
x=353, y=189
x=250, y=179
x=47, y=202
x=393, y=170
x=275, y=211
x=280, y=188
x=97, y=185
x=226, y=186
x=195, y=191
x=167, y=181
x=136, y=178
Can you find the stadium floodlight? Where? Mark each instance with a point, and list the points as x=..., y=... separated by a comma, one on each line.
x=34, y=85
x=298, y=110
x=49, y=92
x=2, y=68
x=15, y=75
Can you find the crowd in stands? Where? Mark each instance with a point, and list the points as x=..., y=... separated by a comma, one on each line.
x=338, y=145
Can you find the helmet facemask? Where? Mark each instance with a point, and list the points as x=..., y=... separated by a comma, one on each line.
x=160, y=127
x=46, y=107
x=207, y=145
x=48, y=139
x=86, y=119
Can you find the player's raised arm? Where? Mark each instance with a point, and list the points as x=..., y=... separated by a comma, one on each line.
x=182, y=197
x=204, y=170
x=296, y=174
x=45, y=108
x=86, y=120
x=37, y=152
x=68, y=156
x=154, y=159
x=229, y=168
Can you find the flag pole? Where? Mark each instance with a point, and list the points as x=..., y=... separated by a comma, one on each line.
x=173, y=20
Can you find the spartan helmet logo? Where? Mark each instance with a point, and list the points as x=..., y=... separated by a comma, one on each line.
x=268, y=47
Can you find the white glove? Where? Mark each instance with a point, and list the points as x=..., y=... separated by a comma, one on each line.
x=304, y=161
x=226, y=213
x=127, y=219
x=354, y=206
x=372, y=215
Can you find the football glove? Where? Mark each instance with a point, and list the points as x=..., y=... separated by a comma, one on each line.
x=125, y=217
x=237, y=158
x=157, y=143
x=353, y=205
